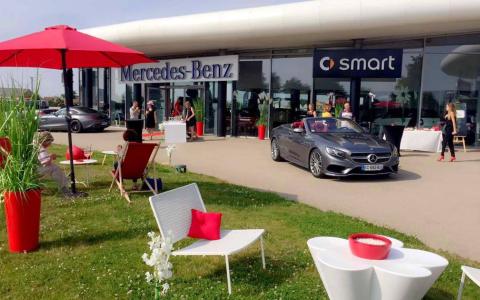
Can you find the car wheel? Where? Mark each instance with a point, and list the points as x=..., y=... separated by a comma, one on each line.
x=275, y=150
x=76, y=126
x=315, y=163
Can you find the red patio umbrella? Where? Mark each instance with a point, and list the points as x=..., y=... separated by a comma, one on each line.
x=63, y=47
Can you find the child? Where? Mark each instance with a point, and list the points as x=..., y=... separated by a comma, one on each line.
x=128, y=136
x=47, y=168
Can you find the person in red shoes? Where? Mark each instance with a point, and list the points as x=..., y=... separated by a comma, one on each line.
x=449, y=130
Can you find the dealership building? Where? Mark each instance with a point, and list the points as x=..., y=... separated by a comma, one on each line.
x=396, y=62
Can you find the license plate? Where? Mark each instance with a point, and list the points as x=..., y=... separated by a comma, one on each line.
x=372, y=167
x=104, y=123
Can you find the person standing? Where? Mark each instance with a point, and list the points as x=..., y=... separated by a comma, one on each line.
x=347, y=112
x=150, y=117
x=449, y=130
x=190, y=119
x=178, y=107
x=135, y=111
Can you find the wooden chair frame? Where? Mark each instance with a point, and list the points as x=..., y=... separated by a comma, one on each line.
x=118, y=178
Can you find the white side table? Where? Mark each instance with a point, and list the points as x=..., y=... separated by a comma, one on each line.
x=83, y=162
x=106, y=153
x=404, y=274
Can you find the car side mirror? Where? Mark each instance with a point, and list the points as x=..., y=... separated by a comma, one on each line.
x=298, y=130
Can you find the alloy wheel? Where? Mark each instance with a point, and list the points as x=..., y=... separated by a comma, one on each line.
x=275, y=151
x=316, y=163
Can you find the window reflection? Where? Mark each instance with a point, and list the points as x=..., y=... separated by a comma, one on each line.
x=118, y=98
x=254, y=81
x=386, y=101
x=452, y=74
x=291, y=88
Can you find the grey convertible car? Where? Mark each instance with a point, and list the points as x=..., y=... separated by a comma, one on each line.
x=333, y=147
x=83, y=119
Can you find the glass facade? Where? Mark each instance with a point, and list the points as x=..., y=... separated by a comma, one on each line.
x=291, y=88
x=434, y=72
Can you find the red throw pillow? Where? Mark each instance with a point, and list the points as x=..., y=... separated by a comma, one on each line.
x=205, y=225
x=78, y=153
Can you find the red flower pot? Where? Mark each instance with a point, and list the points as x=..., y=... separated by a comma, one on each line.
x=199, y=127
x=5, y=144
x=261, y=132
x=369, y=251
x=22, y=211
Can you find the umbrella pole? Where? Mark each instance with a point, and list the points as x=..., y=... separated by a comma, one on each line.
x=68, y=84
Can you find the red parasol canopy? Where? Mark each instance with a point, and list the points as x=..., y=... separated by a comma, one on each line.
x=44, y=50
x=63, y=47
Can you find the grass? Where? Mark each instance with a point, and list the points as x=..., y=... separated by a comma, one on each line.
x=91, y=248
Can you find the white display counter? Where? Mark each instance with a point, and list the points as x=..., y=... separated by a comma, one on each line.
x=422, y=140
x=175, y=132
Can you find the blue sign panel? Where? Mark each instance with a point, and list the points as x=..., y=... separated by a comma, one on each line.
x=378, y=63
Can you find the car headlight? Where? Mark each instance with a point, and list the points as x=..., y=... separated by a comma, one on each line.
x=394, y=151
x=336, y=152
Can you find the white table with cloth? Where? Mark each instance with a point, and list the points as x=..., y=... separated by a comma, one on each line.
x=404, y=274
x=175, y=132
x=422, y=140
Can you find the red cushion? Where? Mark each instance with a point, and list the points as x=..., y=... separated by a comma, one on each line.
x=205, y=225
x=78, y=153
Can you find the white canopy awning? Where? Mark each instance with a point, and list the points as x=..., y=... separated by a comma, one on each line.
x=300, y=24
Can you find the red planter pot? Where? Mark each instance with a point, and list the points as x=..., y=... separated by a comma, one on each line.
x=5, y=144
x=369, y=251
x=199, y=127
x=261, y=132
x=22, y=211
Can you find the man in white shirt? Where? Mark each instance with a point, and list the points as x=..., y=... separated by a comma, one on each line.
x=47, y=166
x=135, y=111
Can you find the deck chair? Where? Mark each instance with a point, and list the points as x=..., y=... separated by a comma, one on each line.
x=172, y=211
x=134, y=163
x=473, y=274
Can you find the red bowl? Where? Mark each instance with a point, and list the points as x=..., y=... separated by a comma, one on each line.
x=369, y=251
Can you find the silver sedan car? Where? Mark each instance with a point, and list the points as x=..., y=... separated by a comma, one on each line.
x=333, y=147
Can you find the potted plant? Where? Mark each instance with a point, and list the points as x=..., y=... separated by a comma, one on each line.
x=262, y=121
x=19, y=179
x=199, y=108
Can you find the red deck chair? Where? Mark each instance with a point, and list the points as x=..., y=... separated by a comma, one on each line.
x=135, y=162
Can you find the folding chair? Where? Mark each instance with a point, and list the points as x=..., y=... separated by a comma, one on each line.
x=172, y=210
x=134, y=163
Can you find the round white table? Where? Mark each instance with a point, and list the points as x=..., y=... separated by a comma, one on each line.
x=106, y=153
x=404, y=274
x=83, y=162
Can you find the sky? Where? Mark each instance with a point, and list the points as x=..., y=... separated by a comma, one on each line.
x=22, y=17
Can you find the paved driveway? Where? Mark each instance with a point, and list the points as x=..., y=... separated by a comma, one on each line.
x=437, y=202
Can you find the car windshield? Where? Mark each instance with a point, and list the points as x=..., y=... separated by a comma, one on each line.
x=332, y=125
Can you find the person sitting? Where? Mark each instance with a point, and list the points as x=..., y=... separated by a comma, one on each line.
x=347, y=112
x=47, y=166
x=311, y=111
x=327, y=107
x=128, y=136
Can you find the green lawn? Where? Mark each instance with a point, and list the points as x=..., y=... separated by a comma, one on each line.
x=91, y=248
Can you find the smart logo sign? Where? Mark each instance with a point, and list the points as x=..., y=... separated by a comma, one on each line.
x=380, y=63
x=215, y=68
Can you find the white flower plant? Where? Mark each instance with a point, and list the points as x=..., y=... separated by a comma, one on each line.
x=161, y=249
x=170, y=149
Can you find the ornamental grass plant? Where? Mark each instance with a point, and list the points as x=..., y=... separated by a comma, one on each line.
x=19, y=123
x=198, y=107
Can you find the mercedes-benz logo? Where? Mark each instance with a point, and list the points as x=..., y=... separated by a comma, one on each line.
x=372, y=158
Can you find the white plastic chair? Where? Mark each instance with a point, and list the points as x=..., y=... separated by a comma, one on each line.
x=172, y=210
x=473, y=274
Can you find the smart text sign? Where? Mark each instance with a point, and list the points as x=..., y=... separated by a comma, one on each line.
x=379, y=63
